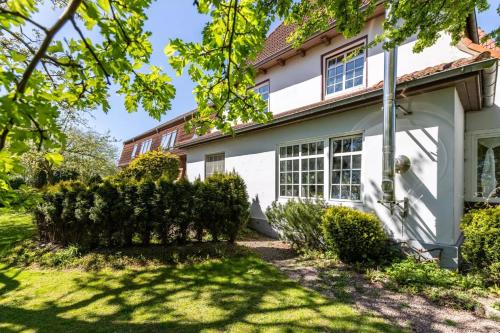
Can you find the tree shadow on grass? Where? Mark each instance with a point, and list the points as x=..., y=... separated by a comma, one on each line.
x=236, y=294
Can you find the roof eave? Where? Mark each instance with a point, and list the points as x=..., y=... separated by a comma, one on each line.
x=367, y=98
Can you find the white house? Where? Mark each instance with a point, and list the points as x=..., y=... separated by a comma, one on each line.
x=326, y=136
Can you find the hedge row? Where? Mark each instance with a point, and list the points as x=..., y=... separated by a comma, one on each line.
x=114, y=213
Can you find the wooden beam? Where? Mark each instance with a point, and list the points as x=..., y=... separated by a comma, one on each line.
x=326, y=40
x=282, y=62
x=302, y=52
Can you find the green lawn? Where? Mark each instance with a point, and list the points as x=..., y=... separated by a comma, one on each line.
x=240, y=294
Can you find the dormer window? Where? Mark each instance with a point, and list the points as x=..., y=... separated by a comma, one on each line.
x=168, y=140
x=134, y=151
x=263, y=90
x=146, y=146
x=343, y=72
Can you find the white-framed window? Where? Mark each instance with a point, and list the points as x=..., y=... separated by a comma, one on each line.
x=345, y=166
x=486, y=166
x=134, y=151
x=263, y=90
x=146, y=146
x=168, y=140
x=301, y=169
x=214, y=163
x=341, y=75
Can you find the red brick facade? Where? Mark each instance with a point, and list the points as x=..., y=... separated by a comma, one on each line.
x=156, y=135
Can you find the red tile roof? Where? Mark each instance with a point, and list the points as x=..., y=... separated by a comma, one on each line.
x=402, y=79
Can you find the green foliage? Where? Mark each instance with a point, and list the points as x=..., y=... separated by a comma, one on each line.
x=441, y=286
x=228, y=203
x=355, y=236
x=153, y=165
x=481, y=247
x=114, y=213
x=299, y=222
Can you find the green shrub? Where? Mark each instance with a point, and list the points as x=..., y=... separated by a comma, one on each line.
x=299, y=222
x=481, y=247
x=106, y=212
x=164, y=222
x=154, y=165
x=227, y=205
x=144, y=211
x=353, y=235
x=112, y=213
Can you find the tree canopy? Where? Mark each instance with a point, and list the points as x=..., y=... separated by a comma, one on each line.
x=42, y=73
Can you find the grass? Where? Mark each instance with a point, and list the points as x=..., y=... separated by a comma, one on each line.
x=232, y=293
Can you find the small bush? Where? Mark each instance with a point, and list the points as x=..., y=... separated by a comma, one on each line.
x=299, y=223
x=353, y=235
x=154, y=165
x=481, y=247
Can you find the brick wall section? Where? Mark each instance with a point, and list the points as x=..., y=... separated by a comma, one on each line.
x=156, y=135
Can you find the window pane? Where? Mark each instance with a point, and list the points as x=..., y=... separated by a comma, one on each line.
x=305, y=165
x=355, y=192
x=295, y=190
x=346, y=145
x=336, y=163
x=356, y=177
x=336, y=177
x=289, y=165
x=296, y=150
x=282, y=151
x=319, y=177
x=488, y=167
x=289, y=189
x=335, y=192
x=312, y=164
x=282, y=190
x=282, y=166
x=304, y=191
x=319, y=163
x=319, y=190
x=295, y=177
x=320, y=147
x=345, y=192
x=289, y=151
x=346, y=162
x=356, y=161
x=357, y=143
x=312, y=148
x=282, y=178
x=336, y=146
x=305, y=149
x=295, y=165
x=346, y=177
x=305, y=178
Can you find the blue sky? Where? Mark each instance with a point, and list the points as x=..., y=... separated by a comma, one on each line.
x=171, y=19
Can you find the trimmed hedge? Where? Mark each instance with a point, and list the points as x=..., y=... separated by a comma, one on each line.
x=355, y=236
x=115, y=213
x=481, y=247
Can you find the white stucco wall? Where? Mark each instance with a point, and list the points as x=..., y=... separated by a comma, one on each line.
x=299, y=82
x=427, y=137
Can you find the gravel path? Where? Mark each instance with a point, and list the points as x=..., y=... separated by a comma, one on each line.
x=403, y=310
